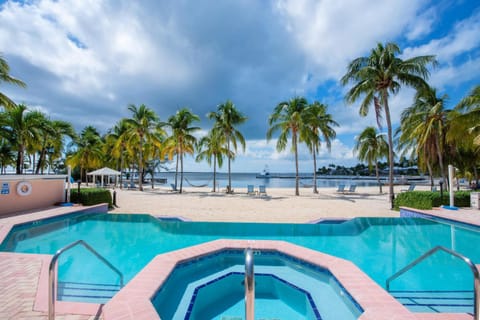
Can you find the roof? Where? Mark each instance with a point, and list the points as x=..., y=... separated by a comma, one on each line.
x=104, y=172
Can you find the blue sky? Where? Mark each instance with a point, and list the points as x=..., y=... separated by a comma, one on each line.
x=85, y=61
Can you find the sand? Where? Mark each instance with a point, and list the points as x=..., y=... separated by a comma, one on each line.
x=280, y=205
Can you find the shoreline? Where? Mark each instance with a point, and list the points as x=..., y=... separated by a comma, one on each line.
x=280, y=205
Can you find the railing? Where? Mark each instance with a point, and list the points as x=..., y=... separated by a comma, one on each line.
x=51, y=273
x=473, y=268
x=249, y=286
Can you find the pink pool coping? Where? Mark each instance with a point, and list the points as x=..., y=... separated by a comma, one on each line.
x=465, y=215
x=134, y=300
x=139, y=305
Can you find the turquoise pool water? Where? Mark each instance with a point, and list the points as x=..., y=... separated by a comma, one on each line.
x=285, y=288
x=379, y=246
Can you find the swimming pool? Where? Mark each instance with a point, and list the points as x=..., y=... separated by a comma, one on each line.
x=379, y=246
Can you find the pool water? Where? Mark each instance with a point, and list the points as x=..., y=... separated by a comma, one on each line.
x=212, y=287
x=379, y=246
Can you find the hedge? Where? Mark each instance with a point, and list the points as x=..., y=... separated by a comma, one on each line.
x=91, y=196
x=427, y=200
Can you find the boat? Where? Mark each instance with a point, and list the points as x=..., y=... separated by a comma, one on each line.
x=265, y=174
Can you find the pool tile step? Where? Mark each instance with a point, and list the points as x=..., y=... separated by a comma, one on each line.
x=436, y=301
x=86, y=292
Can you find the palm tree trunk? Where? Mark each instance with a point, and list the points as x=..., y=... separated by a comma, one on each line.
x=390, y=148
x=214, y=172
x=121, y=168
x=440, y=161
x=140, y=166
x=20, y=160
x=430, y=172
x=176, y=170
x=378, y=177
x=297, y=178
x=181, y=170
x=41, y=160
x=315, y=170
x=229, y=187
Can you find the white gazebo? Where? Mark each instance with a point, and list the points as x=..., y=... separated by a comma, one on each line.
x=105, y=172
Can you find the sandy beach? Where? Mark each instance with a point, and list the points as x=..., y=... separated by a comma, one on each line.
x=280, y=205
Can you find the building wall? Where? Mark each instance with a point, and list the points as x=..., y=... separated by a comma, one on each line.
x=44, y=192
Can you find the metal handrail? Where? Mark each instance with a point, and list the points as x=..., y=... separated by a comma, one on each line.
x=51, y=273
x=473, y=268
x=249, y=286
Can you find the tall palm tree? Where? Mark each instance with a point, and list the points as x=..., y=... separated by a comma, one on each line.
x=52, y=140
x=318, y=124
x=22, y=130
x=7, y=78
x=88, y=152
x=142, y=128
x=371, y=146
x=227, y=117
x=212, y=147
x=380, y=75
x=288, y=118
x=117, y=141
x=468, y=118
x=182, y=141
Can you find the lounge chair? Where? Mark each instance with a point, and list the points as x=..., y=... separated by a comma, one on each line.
x=341, y=188
x=132, y=185
x=250, y=189
x=352, y=188
x=410, y=188
x=262, y=191
x=174, y=188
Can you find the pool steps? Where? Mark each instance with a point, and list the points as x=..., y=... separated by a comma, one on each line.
x=86, y=292
x=460, y=301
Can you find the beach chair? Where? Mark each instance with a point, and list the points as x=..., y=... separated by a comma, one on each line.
x=341, y=188
x=174, y=189
x=132, y=185
x=351, y=189
x=262, y=191
x=410, y=188
x=250, y=190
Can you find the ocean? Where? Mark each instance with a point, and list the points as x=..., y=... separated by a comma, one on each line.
x=241, y=180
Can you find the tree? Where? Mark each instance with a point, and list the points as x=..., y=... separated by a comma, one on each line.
x=227, y=117
x=469, y=114
x=371, y=146
x=212, y=147
x=142, y=127
x=380, y=75
x=288, y=118
x=52, y=140
x=425, y=122
x=7, y=78
x=117, y=141
x=318, y=124
x=181, y=141
x=21, y=129
x=88, y=152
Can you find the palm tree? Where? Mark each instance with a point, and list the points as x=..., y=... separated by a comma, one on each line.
x=318, y=123
x=7, y=156
x=379, y=75
x=52, y=140
x=182, y=140
x=469, y=118
x=7, y=78
x=88, y=152
x=226, y=118
x=142, y=128
x=212, y=146
x=371, y=146
x=117, y=141
x=287, y=117
x=22, y=130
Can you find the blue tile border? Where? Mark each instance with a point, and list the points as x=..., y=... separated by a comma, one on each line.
x=411, y=213
x=306, y=293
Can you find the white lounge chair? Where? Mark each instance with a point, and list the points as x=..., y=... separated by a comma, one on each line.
x=341, y=188
x=250, y=189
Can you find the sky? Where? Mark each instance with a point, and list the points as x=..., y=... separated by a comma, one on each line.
x=86, y=61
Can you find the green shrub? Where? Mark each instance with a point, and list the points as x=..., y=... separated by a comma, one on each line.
x=91, y=196
x=427, y=200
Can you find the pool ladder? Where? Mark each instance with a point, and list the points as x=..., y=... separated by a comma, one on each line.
x=473, y=268
x=249, y=285
x=51, y=273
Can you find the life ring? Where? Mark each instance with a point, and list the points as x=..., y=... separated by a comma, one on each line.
x=24, y=188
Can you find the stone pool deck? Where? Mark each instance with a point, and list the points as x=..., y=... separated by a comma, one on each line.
x=23, y=278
